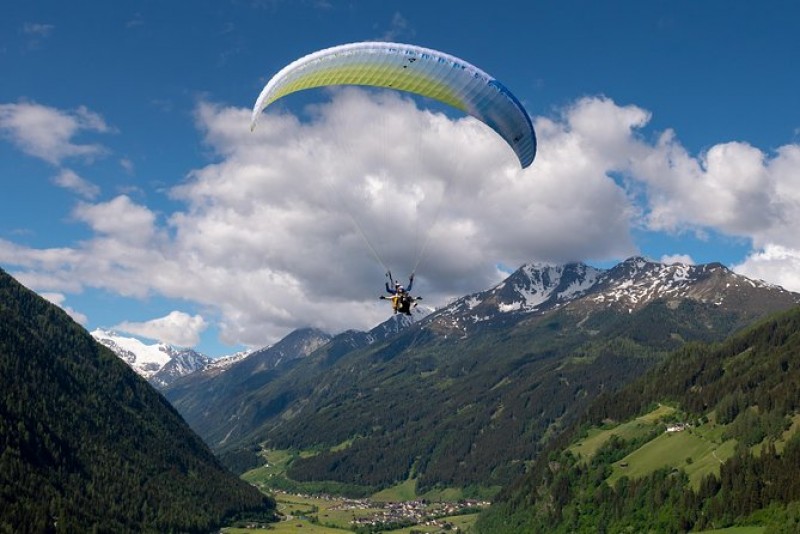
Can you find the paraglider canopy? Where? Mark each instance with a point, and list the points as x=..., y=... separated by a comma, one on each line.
x=414, y=69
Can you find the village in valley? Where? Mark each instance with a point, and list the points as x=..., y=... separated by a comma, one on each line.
x=375, y=516
x=399, y=508
x=417, y=512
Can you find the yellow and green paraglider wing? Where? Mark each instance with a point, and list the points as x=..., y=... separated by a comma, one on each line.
x=416, y=70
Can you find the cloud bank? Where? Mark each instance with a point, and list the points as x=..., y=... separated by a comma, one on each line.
x=295, y=224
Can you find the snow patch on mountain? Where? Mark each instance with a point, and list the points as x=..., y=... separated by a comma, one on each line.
x=537, y=288
x=580, y=284
x=159, y=363
x=145, y=359
x=224, y=362
x=637, y=281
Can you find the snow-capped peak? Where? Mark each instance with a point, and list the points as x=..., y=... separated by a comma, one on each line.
x=537, y=288
x=531, y=287
x=159, y=363
x=143, y=358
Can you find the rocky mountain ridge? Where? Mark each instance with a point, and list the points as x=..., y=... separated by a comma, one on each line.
x=535, y=289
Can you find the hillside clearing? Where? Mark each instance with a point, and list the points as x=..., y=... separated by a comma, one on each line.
x=587, y=447
x=687, y=450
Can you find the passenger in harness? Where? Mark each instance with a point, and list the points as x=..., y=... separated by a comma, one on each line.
x=401, y=298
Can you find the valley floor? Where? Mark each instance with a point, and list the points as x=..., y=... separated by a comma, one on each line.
x=330, y=515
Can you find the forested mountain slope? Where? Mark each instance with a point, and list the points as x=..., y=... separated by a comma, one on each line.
x=86, y=444
x=736, y=460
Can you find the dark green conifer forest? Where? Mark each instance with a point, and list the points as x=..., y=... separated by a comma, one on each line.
x=86, y=445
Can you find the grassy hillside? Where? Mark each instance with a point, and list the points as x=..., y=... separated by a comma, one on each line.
x=640, y=426
x=736, y=462
x=690, y=451
x=86, y=444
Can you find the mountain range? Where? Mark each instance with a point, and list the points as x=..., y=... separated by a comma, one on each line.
x=495, y=385
x=533, y=288
x=469, y=394
x=161, y=363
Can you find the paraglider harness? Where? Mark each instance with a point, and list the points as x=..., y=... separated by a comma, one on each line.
x=401, y=298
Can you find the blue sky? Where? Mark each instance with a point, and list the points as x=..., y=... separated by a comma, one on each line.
x=135, y=196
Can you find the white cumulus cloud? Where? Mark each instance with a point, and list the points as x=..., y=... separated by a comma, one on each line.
x=733, y=188
x=295, y=223
x=669, y=259
x=69, y=179
x=774, y=263
x=176, y=328
x=48, y=133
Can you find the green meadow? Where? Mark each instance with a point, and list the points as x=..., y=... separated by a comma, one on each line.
x=588, y=446
x=690, y=451
x=696, y=450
